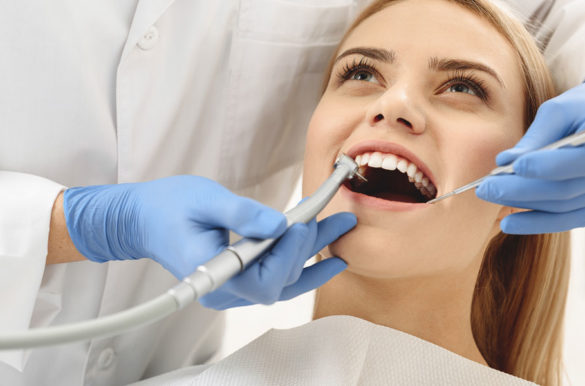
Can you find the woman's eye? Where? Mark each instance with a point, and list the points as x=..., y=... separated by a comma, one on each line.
x=364, y=76
x=460, y=87
x=361, y=71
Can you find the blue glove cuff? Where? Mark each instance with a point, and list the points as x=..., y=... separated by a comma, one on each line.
x=92, y=215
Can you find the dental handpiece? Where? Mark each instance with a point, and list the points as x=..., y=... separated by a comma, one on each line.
x=206, y=278
x=237, y=257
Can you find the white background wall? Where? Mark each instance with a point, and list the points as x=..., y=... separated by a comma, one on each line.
x=247, y=323
x=575, y=315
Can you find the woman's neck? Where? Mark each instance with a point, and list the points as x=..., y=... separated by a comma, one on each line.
x=436, y=309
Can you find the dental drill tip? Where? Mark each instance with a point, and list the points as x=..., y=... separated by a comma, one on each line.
x=361, y=176
x=356, y=173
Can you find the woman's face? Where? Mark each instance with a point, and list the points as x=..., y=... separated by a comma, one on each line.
x=429, y=87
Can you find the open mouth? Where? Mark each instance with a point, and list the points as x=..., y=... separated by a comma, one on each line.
x=392, y=178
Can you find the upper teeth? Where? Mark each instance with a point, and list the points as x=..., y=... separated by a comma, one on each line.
x=393, y=162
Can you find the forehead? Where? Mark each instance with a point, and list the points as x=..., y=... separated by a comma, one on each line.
x=436, y=28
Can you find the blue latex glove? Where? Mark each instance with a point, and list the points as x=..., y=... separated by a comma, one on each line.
x=183, y=221
x=552, y=182
x=280, y=266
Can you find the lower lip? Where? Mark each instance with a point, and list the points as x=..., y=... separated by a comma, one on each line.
x=379, y=203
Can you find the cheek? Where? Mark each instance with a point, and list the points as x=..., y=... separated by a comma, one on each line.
x=470, y=153
x=330, y=126
x=313, y=148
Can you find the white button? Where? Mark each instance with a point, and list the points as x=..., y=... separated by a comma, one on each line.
x=106, y=358
x=149, y=39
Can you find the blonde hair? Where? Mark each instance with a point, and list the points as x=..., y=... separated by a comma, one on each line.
x=519, y=299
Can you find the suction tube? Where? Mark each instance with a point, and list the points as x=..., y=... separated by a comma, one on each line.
x=206, y=278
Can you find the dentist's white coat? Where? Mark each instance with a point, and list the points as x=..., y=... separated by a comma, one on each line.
x=100, y=92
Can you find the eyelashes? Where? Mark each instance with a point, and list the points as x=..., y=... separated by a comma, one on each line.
x=454, y=78
x=470, y=80
x=351, y=68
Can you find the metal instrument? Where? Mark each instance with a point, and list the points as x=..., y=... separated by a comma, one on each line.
x=573, y=140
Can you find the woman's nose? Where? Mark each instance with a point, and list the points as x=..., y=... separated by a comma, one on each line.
x=397, y=108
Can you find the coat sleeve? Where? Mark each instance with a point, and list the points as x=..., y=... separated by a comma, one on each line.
x=559, y=27
x=26, y=202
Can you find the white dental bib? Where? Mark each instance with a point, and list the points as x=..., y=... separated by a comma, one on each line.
x=339, y=350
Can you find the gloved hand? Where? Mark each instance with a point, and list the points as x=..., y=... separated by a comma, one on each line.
x=551, y=182
x=183, y=221
x=284, y=264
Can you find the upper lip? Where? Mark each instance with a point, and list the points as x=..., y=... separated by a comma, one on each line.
x=390, y=148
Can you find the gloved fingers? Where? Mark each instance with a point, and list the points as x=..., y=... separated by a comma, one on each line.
x=558, y=164
x=287, y=259
x=298, y=262
x=183, y=252
x=217, y=300
x=503, y=188
x=262, y=282
x=331, y=228
x=551, y=206
x=221, y=300
x=542, y=222
x=314, y=276
x=555, y=119
x=248, y=218
x=327, y=231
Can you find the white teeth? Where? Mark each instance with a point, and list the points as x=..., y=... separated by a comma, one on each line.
x=390, y=162
x=375, y=160
x=411, y=170
x=393, y=162
x=402, y=165
x=418, y=177
x=365, y=158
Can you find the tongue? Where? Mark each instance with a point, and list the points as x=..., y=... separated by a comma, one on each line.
x=394, y=197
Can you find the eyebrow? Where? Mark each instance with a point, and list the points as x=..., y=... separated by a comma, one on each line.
x=437, y=64
x=382, y=55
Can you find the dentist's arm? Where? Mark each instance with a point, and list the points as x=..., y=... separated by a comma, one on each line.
x=60, y=248
x=550, y=183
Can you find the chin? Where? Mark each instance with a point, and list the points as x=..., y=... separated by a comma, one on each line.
x=394, y=253
x=366, y=255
